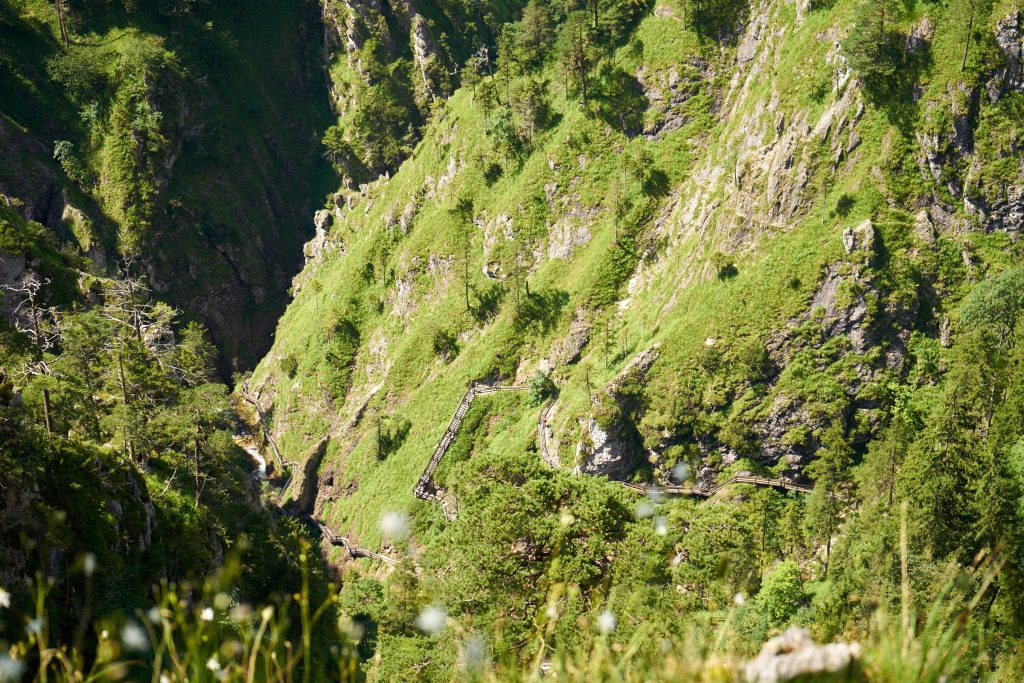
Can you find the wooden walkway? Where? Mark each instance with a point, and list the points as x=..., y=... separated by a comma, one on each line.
x=707, y=492
x=353, y=550
x=425, y=488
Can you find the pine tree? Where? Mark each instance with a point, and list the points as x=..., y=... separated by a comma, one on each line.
x=462, y=215
x=873, y=47
x=535, y=35
x=577, y=55
x=831, y=474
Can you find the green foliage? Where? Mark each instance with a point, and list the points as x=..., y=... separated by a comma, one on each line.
x=781, y=593
x=724, y=265
x=541, y=388
x=391, y=433
x=339, y=350
x=874, y=46
x=577, y=55
x=289, y=365
x=123, y=446
x=995, y=303
x=445, y=344
x=585, y=231
x=12, y=240
x=535, y=35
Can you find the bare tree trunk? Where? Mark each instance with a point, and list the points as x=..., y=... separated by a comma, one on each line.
x=967, y=43
x=195, y=461
x=46, y=412
x=62, y=21
x=129, y=446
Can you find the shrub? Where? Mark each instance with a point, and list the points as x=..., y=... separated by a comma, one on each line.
x=391, y=433
x=446, y=344
x=289, y=365
x=781, y=593
x=541, y=387
x=724, y=265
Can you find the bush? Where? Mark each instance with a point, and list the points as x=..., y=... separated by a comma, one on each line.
x=391, y=433
x=541, y=387
x=873, y=48
x=781, y=593
x=995, y=302
x=289, y=365
x=446, y=344
x=606, y=410
x=724, y=265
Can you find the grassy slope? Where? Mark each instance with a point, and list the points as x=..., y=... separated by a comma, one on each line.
x=680, y=303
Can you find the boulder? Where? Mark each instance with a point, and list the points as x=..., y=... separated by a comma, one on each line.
x=920, y=35
x=793, y=654
x=861, y=238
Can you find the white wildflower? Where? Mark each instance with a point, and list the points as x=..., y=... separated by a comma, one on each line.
x=739, y=599
x=10, y=669
x=241, y=612
x=475, y=653
x=680, y=473
x=644, y=510
x=34, y=627
x=431, y=620
x=606, y=622
x=395, y=525
x=661, y=526
x=212, y=664
x=134, y=637
x=566, y=519
x=655, y=494
x=89, y=564
x=207, y=614
x=5, y=598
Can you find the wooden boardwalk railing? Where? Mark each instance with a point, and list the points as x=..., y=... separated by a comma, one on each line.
x=542, y=429
x=707, y=492
x=353, y=550
x=425, y=488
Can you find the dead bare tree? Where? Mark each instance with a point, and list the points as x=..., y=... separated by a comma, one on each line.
x=36, y=322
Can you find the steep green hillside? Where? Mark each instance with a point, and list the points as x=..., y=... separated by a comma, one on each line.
x=776, y=237
x=185, y=135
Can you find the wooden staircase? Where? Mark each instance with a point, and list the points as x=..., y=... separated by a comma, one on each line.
x=425, y=488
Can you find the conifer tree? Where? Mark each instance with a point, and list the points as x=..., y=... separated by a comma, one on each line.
x=831, y=474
